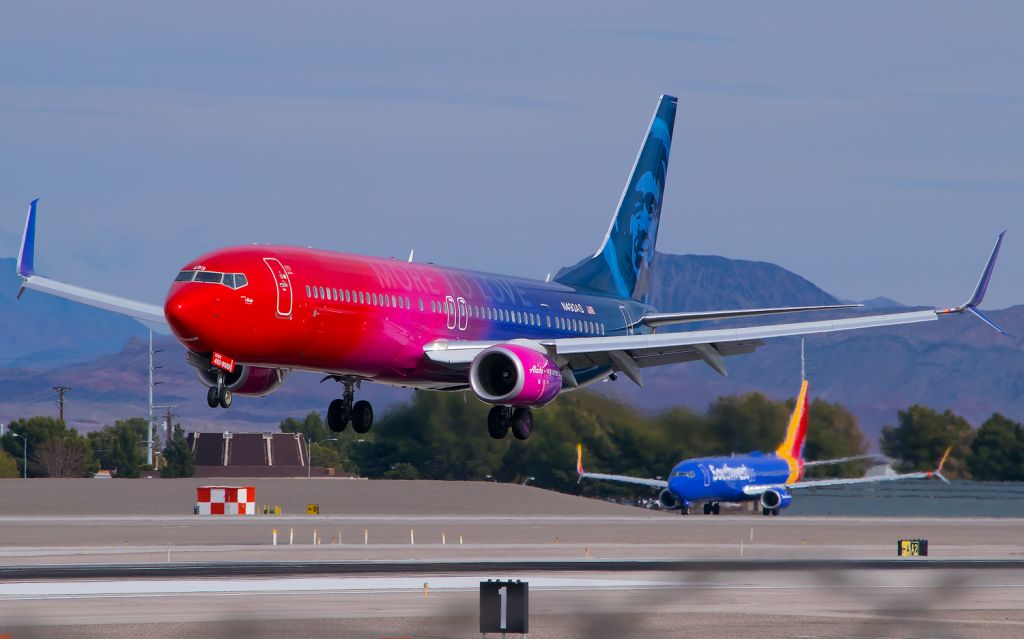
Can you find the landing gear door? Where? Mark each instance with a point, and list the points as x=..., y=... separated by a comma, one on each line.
x=627, y=319
x=283, y=286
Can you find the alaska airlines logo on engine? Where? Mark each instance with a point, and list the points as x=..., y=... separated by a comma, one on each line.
x=731, y=473
x=537, y=369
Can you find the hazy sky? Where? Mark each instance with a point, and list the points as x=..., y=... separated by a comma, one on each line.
x=875, y=148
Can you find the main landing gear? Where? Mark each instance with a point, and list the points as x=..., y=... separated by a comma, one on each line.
x=712, y=508
x=770, y=511
x=341, y=411
x=501, y=419
x=218, y=395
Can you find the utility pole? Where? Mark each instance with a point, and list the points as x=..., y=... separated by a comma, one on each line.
x=149, y=431
x=60, y=399
x=152, y=418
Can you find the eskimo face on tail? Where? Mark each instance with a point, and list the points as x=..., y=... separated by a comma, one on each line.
x=621, y=265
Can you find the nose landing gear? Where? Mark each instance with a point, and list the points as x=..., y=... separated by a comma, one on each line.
x=341, y=411
x=218, y=395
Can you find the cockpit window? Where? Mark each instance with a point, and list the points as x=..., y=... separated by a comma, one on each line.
x=209, y=277
x=231, y=280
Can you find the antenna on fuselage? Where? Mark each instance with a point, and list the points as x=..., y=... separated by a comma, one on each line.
x=411, y=251
x=548, y=278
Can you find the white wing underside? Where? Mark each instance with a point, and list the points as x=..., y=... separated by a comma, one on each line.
x=821, y=483
x=625, y=479
x=149, y=314
x=670, y=348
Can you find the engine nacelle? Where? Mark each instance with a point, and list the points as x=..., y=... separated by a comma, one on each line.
x=667, y=500
x=247, y=380
x=776, y=498
x=515, y=375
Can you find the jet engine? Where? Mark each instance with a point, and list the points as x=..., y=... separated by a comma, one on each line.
x=247, y=380
x=776, y=498
x=515, y=375
x=667, y=500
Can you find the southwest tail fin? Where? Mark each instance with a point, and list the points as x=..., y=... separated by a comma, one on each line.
x=621, y=266
x=793, y=446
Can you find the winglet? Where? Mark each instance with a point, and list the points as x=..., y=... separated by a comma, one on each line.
x=942, y=462
x=971, y=305
x=579, y=460
x=26, y=257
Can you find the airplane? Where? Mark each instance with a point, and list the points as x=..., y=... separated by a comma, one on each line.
x=769, y=478
x=250, y=315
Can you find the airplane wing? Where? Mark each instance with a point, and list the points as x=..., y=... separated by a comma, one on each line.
x=150, y=315
x=655, y=320
x=624, y=479
x=632, y=353
x=843, y=460
x=754, y=490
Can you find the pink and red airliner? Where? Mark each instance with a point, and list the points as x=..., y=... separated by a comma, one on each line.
x=250, y=315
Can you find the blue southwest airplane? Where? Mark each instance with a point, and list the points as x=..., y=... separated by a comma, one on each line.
x=768, y=478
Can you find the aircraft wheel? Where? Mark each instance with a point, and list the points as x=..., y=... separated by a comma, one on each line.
x=212, y=397
x=716, y=508
x=766, y=512
x=684, y=510
x=707, y=508
x=497, y=426
x=337, y=418
x=362, y=417
x=775, y=513
x=522, y=423
x=225, y=398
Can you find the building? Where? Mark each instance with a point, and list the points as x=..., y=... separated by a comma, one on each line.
x=250, y=454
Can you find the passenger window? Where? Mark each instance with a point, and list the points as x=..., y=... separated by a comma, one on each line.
x=308, y=292
x=421, y=303
x=315, y=296
x=185, y=276
x=322, y=296
x=393, y=300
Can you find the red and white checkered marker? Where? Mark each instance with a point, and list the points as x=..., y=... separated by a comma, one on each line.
x=226, y=500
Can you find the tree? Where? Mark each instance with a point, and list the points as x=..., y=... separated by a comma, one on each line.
x=180, y=462
x=119, y=447
x=833, y=432
x=997, y=451
x=323, y=456
x=312, y=427
x=8, y=466
x=921, y=438
x=37, y=430
x=64, y=457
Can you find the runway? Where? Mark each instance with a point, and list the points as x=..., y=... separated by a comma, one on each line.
x=595, y=569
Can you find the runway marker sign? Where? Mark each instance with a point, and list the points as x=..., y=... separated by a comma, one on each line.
x=912, y=548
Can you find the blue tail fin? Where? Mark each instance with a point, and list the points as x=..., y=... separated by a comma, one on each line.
x=621, y=266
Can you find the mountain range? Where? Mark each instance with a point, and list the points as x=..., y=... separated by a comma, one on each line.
x=955, y=363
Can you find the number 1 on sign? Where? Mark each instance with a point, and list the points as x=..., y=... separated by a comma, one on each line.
x=503, y=593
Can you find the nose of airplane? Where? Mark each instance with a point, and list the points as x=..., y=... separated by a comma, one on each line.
x=190, y=312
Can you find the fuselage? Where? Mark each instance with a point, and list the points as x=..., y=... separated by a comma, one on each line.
x=724, y=478
x=347, y=314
